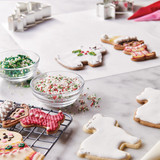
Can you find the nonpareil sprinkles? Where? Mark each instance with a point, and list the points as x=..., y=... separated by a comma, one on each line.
x=57, y=85
x=18, y=63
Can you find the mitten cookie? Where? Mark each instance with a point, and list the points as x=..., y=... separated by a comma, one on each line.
x=149, y=113
x=119, y=42
x=39, y=118
x=13, y=147
x=11, y=113
x=107, y=140
x=81, y=56
x=138, y=51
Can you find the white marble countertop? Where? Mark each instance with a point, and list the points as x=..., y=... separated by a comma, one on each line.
x=118, y=95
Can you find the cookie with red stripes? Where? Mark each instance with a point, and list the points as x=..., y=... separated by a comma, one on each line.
x=39, y=118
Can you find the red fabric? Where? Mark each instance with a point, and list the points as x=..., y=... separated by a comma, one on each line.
x=146, y=10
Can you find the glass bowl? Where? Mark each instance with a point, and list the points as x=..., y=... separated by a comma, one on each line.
x=61, y=100
x=19, y=74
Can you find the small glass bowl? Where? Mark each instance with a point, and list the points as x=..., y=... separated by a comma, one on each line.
x=19, y=74
x=66, y=98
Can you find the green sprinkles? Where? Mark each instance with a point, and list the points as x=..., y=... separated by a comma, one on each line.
x=17, y=63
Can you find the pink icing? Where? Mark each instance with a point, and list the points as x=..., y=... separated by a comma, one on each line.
x=21, y=110
x=17, y=116
x=50, y=122
x=139, y=50
x=4, y=141
x=10, y=134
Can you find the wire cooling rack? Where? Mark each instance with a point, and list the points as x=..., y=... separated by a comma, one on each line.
x=37, y=138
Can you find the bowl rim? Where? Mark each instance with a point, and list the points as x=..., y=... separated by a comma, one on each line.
x=66, y=94
x=4, y=52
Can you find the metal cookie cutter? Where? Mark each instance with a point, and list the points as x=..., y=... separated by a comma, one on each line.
x=106, y=10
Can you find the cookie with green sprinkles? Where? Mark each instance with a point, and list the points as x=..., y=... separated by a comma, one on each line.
x=81, y=56
x=16, y=64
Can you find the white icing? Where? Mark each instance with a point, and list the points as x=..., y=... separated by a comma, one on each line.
x=71, y=60
x=41, y=116
x=123, y=39
x=150, y=111
x=36, y=115
x=107, y=138
x=154, y=153
x=105, y=37
x=48, y=128
x=5, y=107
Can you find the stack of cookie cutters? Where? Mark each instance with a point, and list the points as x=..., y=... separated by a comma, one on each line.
x=36, y=137
x=28, y=14
x=107, y=9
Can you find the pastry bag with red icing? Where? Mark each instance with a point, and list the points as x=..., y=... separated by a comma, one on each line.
x=146, y=10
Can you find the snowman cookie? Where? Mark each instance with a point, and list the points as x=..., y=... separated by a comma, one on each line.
x=149, y=113
x=13, y=147
x=79, y=57
x=107, y=140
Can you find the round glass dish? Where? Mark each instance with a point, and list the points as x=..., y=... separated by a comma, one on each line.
x=19, y=74
x=65, y=99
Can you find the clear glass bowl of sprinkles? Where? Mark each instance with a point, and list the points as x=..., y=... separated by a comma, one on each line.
x=18, y=65
x=58, y=88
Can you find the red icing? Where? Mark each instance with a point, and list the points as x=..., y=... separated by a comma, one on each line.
x=137, y=50
x=39, y=118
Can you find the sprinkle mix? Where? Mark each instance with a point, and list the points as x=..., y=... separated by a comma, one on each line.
x=82, y=53
x=57, y=85
x=16, y=63
x=85, y=102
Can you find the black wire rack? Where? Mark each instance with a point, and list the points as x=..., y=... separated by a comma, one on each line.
x=36, y=137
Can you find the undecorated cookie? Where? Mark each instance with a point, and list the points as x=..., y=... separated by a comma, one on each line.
x=106, y=141
x=13, y=147
x=76, y=59
x=149, y=113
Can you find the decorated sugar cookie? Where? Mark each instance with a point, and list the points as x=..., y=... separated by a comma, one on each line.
x=13, y=147
x=119, y=42
x=139, y=52
x=15, y=115
x=39, y=118
x=81, y=56
x=107, y=140
x=149, y=113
